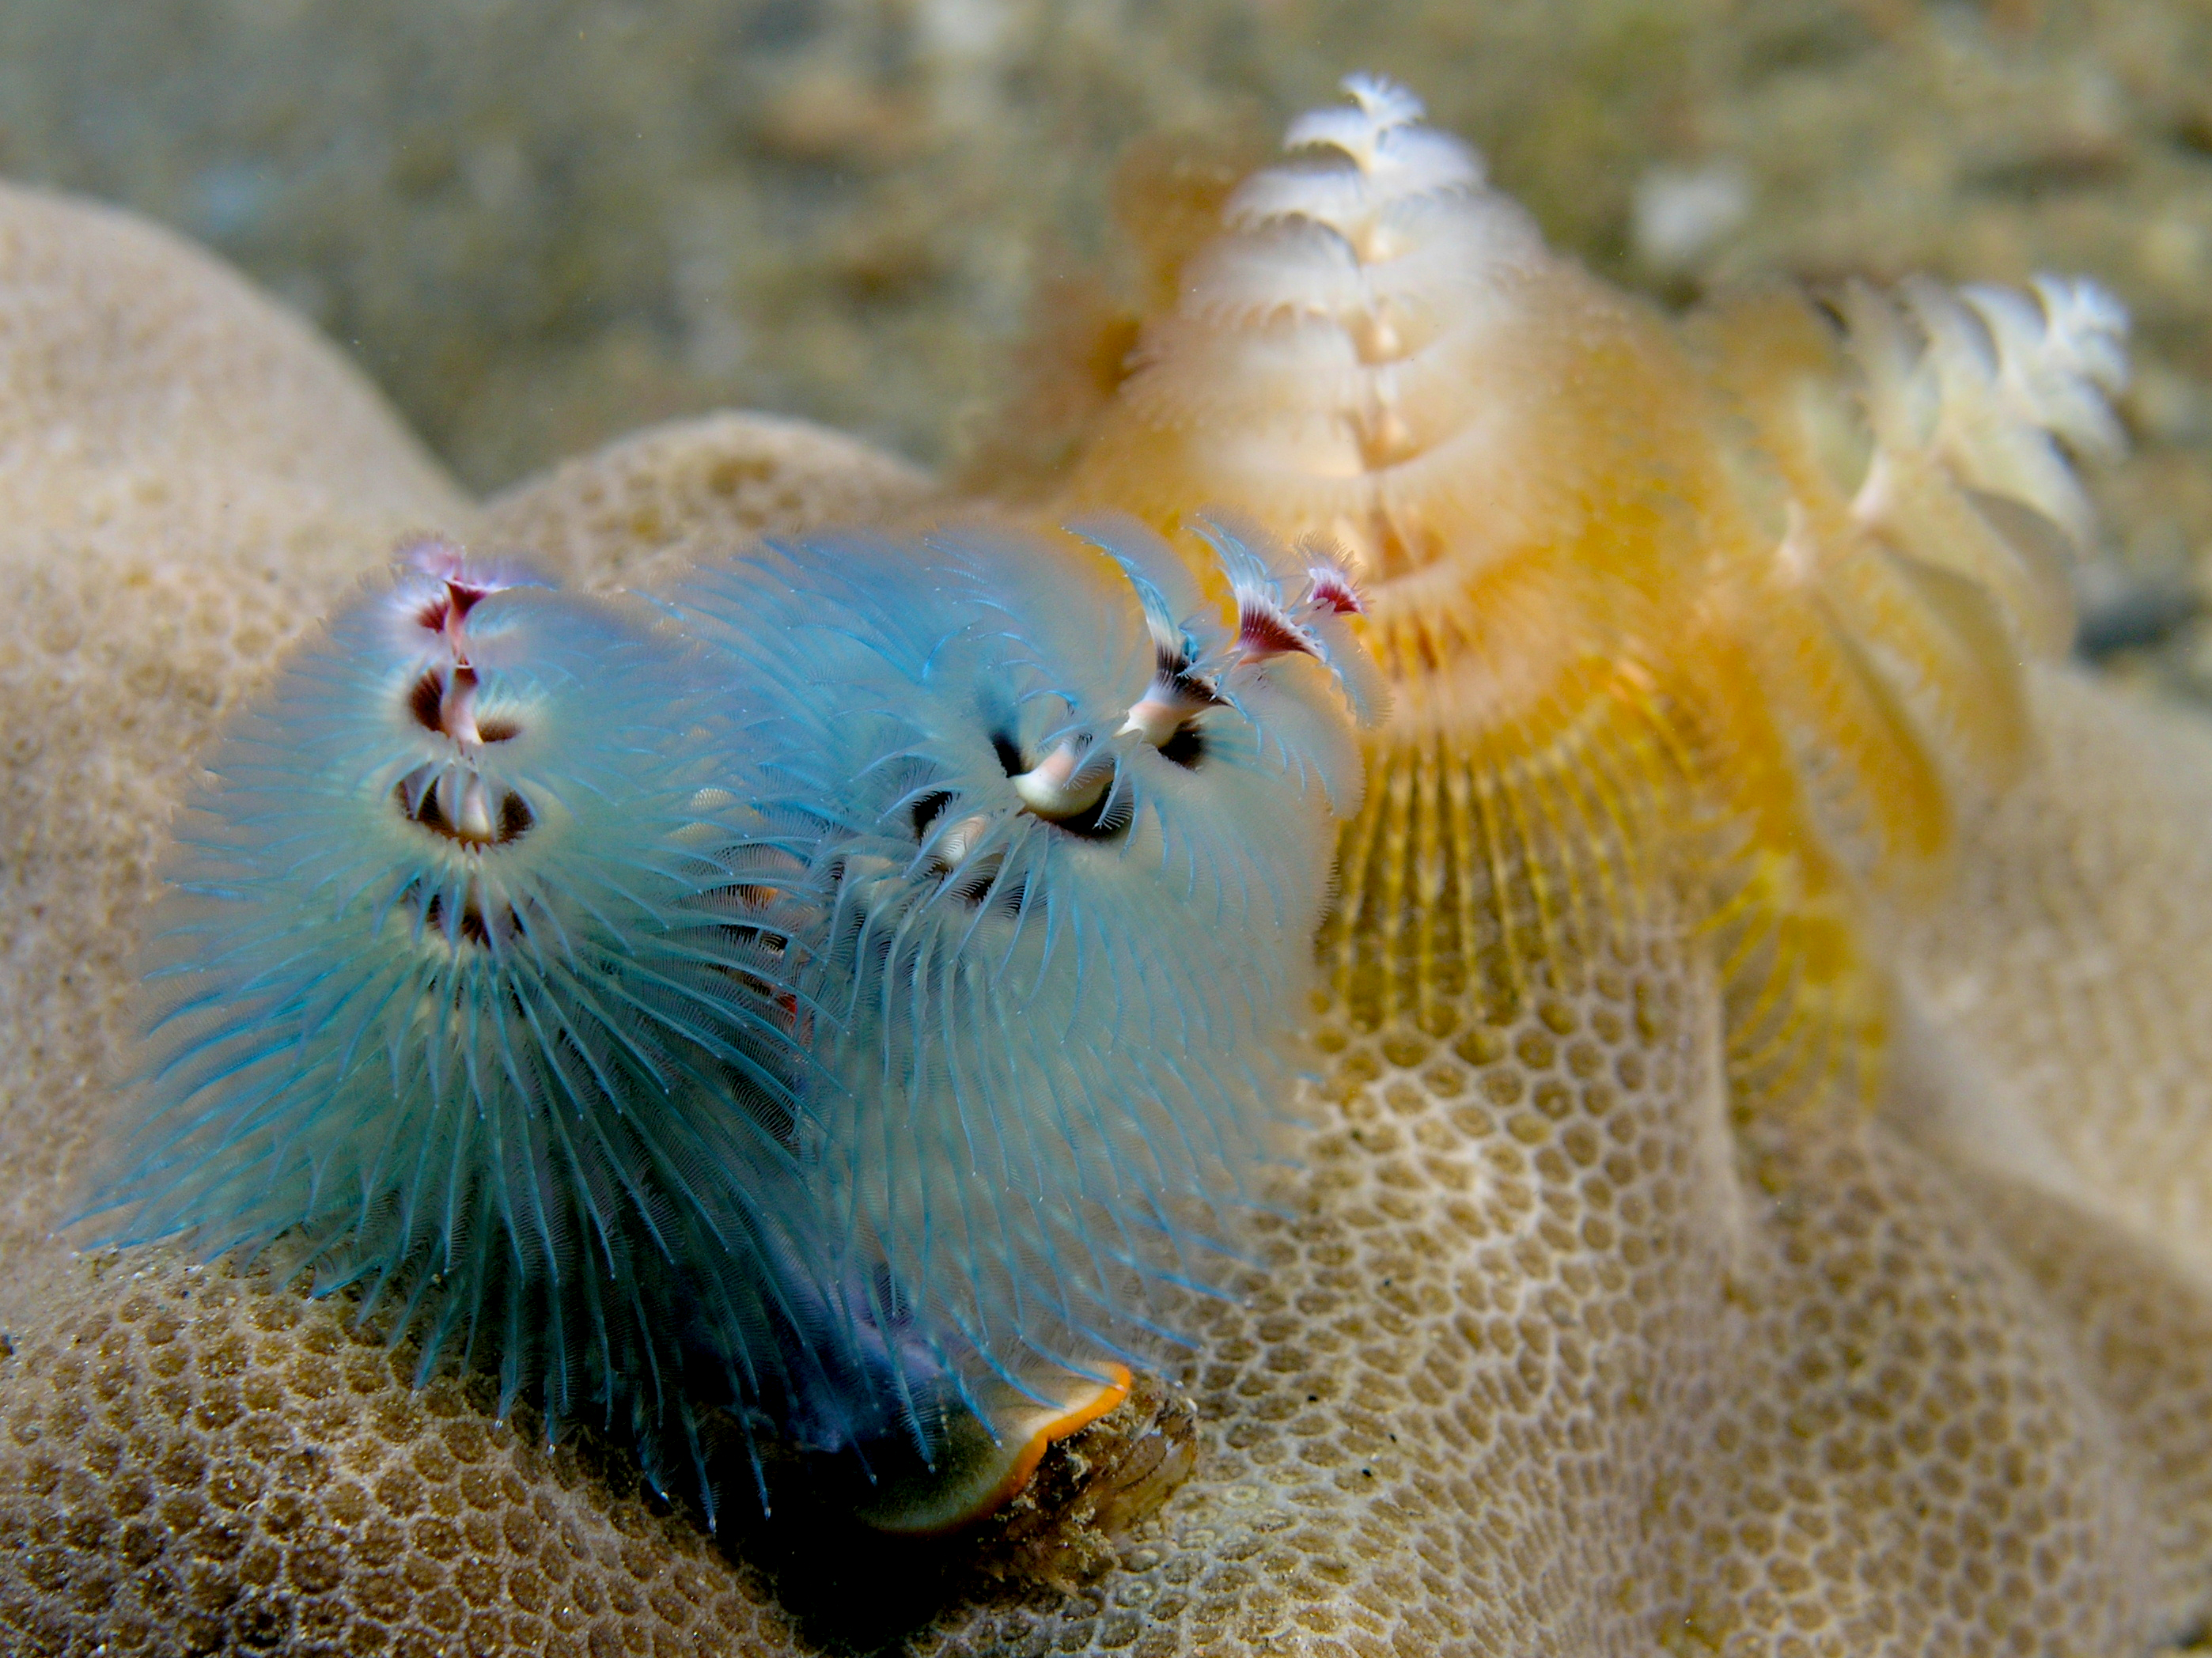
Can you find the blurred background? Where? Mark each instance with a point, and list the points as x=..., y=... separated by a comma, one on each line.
x=538, y=223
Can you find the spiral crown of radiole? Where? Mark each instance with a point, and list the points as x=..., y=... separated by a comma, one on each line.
x=1748, y=592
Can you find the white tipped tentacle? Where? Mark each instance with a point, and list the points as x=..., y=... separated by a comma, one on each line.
x=1333, y=596
x=1185, y=670
x=1165, y=709
x=1321, y=350
x=1249, y=672
x=2061, y=357
x=1269, y=624
x=1329, y=581
x=1993, y=385
x=1977, y=400
x=1382, y=155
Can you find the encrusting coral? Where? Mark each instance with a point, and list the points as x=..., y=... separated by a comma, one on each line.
x=1720, y=1233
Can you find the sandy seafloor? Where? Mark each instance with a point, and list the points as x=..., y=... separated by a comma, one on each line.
x=539, y=223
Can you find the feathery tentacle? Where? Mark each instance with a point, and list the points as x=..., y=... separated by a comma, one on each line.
x=851, y=1020
x=1066, y=867
x=449, y=1003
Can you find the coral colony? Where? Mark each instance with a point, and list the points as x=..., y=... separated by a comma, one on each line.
x=834, y=1002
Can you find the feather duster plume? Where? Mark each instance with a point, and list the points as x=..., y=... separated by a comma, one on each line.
x=842, y=1024
x=1784, y=558
x=1064, y=830
x=446, y=1003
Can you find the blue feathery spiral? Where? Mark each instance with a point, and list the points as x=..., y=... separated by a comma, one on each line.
x=859, y=987
x=1064, y=855
x=446, y=996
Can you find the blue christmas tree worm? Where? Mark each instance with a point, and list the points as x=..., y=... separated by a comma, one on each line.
x=831, y=1006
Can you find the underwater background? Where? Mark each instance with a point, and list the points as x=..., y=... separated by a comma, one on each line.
x=539, y=223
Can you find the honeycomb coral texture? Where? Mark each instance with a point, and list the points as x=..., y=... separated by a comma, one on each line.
x=634, y=512
x=1449, y=1343
x=198, y=1466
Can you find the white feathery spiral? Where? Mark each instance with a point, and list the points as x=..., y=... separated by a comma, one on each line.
x=1321, y=352
x=1993, y=387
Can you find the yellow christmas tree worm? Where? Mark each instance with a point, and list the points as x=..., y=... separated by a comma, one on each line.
x=1777, y=565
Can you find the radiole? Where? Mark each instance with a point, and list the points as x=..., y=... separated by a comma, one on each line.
x=1775, y=564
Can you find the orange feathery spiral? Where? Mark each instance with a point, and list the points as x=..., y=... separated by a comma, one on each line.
x=1749, y=591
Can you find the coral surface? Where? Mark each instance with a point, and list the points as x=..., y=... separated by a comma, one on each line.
x=1585, y=1324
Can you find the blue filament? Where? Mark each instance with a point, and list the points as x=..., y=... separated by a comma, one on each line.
x=689, y=1016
